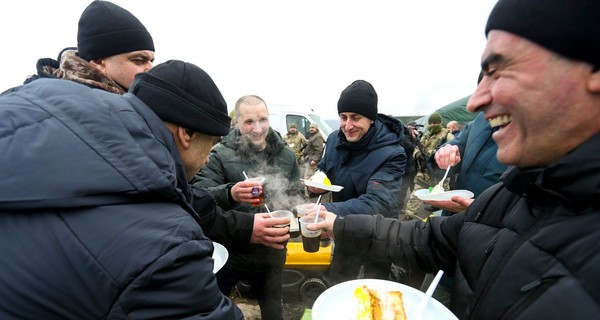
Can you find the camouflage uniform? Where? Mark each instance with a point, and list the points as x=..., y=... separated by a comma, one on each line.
x=296, y=142
x=313, y=152
x=423, y=179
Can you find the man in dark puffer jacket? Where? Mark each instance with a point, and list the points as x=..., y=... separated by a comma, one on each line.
x=94, y=213
x=526, y=248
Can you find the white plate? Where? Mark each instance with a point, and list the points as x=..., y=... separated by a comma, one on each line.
x=333, y=188
x=338, y=301
x=424, y=194
x=220, y=255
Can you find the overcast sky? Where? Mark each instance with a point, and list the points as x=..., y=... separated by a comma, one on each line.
x=419, y=55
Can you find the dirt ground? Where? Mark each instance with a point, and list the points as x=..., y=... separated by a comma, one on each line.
x=293, y=308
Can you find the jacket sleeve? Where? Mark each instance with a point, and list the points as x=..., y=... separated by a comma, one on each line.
x=211, y=178
x=230, y=228
x=429, y=245
x=383, y=191
x=167, y=287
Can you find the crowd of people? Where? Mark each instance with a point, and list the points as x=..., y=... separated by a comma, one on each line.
x=118, y=176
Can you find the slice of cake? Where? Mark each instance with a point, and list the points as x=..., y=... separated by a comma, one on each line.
x=320, y=177
x=379, y=305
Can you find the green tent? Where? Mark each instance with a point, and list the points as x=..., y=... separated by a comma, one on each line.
x=457, y=111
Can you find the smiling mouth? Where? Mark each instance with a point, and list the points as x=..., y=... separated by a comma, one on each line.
x=500, y=121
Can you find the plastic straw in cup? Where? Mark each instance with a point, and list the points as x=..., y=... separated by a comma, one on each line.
x=318, y=209
x=269, y=211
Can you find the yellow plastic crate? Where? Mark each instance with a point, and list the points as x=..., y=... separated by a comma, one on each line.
x=299, y=259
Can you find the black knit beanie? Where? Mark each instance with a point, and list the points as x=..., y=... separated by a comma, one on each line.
x=105, y=30
x=183, y=94
x=359, y=97
x=567, y=27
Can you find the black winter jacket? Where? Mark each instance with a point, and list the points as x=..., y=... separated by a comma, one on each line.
x=527, y=248
x=94, y=216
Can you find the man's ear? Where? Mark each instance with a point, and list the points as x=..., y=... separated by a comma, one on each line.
x=593, y=83
x=99, y=64
x=184, y=136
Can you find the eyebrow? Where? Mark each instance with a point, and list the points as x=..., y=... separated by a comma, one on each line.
x=491, y=60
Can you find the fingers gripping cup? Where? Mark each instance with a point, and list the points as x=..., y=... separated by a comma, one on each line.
x=283, y=214
x=310, y=238
x=303, y=209
x=260, y=181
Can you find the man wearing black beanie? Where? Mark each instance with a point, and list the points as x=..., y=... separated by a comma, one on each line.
x=117, y=230
x=365, y=157
x=527, y=247
x=112, y=47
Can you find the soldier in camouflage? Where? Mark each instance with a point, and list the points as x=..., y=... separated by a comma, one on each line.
x=295, y=141
x=435, y=136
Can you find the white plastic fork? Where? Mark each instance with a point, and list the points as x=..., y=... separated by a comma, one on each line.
x=441, y=183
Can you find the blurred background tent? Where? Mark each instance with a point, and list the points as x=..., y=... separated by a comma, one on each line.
x=456, y=110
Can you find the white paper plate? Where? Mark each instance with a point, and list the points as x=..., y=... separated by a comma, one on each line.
x=220, y=255
x=338, y=301
x=424, y=194
x=333, y=188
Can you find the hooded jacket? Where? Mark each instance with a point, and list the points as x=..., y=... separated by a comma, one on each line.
x=527, y=247
x=370, y=170
x=94, y=215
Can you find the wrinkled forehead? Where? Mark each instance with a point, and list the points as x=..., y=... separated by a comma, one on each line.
x=253, y=112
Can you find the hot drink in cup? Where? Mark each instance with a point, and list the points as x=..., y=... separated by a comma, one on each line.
x=260, y=181
x=284, y=214
x=303, y=209
x=310, y=238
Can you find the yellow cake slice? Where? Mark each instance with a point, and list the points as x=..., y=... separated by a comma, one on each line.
x=379, y=305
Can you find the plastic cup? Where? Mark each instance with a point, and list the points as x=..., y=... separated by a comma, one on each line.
x=303, y=209
x=256, y=191
x=282, y=214
x=310, y=238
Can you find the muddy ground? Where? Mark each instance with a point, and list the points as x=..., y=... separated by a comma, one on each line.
x=293, y=308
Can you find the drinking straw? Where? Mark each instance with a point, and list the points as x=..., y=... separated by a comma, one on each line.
x=318, y=209
x=269, y=211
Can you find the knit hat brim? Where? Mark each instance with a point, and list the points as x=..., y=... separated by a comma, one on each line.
x=567, y=27
x=105, y=30
x=359, y=97
x=185, y=95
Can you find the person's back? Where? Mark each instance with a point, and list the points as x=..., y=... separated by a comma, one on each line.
x=100, y=229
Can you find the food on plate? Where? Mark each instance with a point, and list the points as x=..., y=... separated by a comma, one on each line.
x=320, y=177
x=437, y=189
x=379, y=305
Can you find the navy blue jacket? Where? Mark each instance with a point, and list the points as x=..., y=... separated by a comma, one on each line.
x=94, y=214
x=479, y=167
x=370, y=170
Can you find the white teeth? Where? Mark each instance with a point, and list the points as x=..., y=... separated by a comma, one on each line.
x=500, y=121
